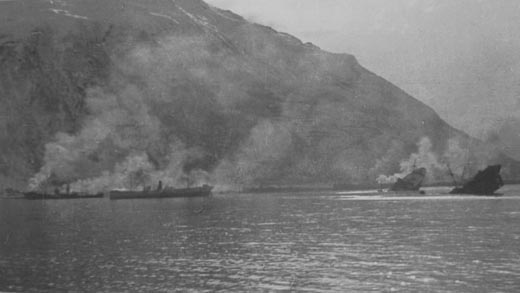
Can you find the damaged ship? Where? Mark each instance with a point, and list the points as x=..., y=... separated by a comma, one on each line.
x=73, y=195
x=409, y=185
x=160, y=192
x=486, y=182
x=411, y=182
x=58, y=194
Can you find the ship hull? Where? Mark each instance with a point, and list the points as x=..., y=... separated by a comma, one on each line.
x=172, y=193
x=41, y=196
x=411, y=182
x=462, y=191
x=485, y=183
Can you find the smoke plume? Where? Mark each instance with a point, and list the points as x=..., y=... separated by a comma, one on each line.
x=455, y=160
x=190, y=109
x=174, y=112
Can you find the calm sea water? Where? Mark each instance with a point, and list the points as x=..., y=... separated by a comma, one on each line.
x=317, y=242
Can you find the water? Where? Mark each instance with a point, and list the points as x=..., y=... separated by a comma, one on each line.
x=314, y=242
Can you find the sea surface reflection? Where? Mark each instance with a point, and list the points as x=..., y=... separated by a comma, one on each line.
x=317, y=242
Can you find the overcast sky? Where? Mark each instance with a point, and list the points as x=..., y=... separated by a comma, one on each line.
x=461, y=57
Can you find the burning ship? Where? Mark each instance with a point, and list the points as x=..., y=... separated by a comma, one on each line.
x=61, y=189
x=58, y=194
x=411, y=182
x=160, y=192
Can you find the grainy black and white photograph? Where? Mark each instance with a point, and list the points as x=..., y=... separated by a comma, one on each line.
x=259, y=146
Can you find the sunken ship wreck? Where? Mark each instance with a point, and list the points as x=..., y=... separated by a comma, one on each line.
x=485, y=182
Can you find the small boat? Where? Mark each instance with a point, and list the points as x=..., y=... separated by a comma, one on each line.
x=203, y=190
x=74, y=195
x=486, y=182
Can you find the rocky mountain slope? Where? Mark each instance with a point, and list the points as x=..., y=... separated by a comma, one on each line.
x=120, y=94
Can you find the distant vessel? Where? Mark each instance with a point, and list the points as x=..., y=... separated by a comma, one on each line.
x=73, y=195
x=59, y=194
x=12, y=193
x=486, y=182
x=411, y=182
x=407, y=186
x=204, y=190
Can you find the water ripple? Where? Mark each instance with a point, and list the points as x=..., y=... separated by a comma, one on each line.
x=261, y=243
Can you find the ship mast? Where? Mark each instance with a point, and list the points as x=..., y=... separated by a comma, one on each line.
x=451, y=174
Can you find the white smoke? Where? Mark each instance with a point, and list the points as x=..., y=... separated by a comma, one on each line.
x=137, y=128
x=455, y=158
x=112, y=147
x=257, y=157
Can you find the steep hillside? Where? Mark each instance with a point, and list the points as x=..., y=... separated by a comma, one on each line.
x=113, y=94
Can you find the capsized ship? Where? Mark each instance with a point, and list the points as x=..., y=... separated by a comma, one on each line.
x=486, y=182
x=411, y=182
x=204, y=190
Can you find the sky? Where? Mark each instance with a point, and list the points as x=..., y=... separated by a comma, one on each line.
x=461, y=57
